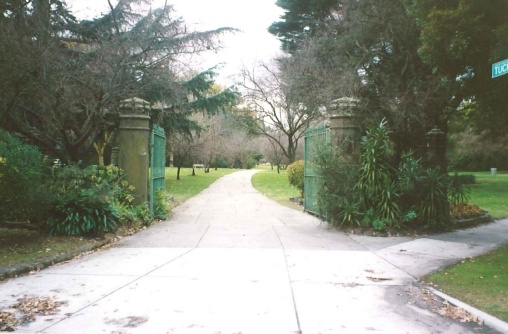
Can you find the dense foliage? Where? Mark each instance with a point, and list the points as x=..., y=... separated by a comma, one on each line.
x=338, y=176
x=95, y=200
x=22, y=173
x=64, y=92
x=385, y=194
x=71, y=200
x=415, y=63
x=359, y=50
x=82, y=213
x=461, y=40
x=301, y=18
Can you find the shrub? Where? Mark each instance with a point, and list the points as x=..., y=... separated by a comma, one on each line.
x=107, y=181
x=383, y=196
x=376, y=186
x=433, y=204
x=335, y=199
x=143, y=214
x=251, y=163
x=409, y=178
x=457, y=192
x=88, y=201
x=220, y=162
x=423, y=191
x=22, y=173
x=295, y=172
x=161, y=205
x=82, y=213
x=133, y=216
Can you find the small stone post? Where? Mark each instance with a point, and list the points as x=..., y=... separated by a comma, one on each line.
x=134, y=142
x=435, y=153
x=343, y=131
x=114, y=154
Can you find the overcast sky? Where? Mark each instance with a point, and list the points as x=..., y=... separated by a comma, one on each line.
x=252, y=17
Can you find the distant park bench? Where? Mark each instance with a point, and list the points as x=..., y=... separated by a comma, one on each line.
x=198, y=166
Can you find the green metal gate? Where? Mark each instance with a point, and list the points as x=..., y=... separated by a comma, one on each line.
x=157, y=162
x=313, y=139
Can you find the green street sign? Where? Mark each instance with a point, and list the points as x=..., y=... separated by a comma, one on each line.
x=500, y=68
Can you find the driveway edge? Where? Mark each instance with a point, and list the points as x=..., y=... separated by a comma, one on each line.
x=27, y=267
x=487, y=319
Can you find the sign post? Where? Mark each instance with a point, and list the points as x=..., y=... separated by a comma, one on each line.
x=500, y=68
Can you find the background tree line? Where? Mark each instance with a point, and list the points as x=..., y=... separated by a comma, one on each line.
x=416, y=63
x=63, y=78
x=410, y=65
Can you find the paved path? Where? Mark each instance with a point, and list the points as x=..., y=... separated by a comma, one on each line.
x=231, y=261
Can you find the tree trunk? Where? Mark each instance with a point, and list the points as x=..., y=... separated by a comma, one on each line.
x=291, y=151
x=178, y=173
x=100, y=153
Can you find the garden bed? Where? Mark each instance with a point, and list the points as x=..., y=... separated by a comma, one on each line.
x=415, y=231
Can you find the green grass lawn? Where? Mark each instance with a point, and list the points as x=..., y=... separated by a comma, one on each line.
x=491, y=193
x=19, y=245
x=275, y=186
x=483, y=281
x=189, y=185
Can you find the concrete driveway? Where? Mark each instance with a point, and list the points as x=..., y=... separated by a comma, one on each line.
x=231, y=261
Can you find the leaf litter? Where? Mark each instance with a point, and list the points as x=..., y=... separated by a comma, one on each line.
x=445, y=309
x=8, y=322
x=29, y=307
x=457, y=313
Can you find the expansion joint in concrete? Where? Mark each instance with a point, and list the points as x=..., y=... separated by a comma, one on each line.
x=133, y=281
x=290, y=283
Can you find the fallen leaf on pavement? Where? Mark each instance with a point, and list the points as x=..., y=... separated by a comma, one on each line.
x=8, y=322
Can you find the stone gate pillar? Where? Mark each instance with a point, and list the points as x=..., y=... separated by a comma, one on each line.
x=344, y=132
x=134, y=141
x=435, y=150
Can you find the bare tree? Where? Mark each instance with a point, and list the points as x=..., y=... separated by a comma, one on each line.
x=215, y=131
x=242, y=148
x=182, y=148
x=272, y=150
x=274, y=104
x=222, y=137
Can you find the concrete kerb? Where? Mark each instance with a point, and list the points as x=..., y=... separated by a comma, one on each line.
x=27, y=267
x=487, y=319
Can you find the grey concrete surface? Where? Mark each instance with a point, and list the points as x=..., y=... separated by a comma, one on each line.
x=231, y=261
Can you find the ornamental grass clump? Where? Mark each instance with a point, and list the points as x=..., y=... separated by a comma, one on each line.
x=376, y=185
x=82, y=213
